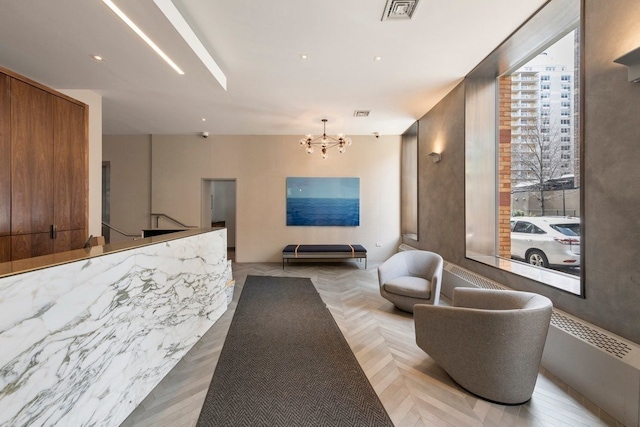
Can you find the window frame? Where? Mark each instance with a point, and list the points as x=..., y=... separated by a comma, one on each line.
x=482, y=142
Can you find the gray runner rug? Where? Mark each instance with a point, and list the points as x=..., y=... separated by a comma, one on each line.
x=286, y=363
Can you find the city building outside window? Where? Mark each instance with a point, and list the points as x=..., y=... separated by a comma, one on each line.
x=540, y=171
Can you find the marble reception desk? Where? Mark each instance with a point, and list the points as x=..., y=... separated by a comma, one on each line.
x=83, y=342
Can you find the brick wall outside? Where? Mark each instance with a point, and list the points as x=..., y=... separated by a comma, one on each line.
x=504, y=167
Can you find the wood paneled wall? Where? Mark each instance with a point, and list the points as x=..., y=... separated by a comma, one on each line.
x=43, y=170
x=5, y=168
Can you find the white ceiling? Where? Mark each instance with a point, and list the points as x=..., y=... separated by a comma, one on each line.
x=258, y=45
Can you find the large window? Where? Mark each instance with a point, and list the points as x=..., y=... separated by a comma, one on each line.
x=523, y=148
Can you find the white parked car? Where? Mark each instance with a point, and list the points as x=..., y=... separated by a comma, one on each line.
x=546, y=241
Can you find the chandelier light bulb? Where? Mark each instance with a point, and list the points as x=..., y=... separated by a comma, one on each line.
x=310, y=150
x=324, y=154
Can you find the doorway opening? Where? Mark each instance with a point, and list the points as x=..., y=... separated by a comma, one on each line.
x=219, y=209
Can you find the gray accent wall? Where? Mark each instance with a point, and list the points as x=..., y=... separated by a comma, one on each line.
x=612, y=172
x=441, y=185
x=611, y=181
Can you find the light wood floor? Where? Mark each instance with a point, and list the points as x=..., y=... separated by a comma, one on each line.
x=412, y=388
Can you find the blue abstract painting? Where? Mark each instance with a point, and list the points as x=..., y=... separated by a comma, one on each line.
x=323, y=201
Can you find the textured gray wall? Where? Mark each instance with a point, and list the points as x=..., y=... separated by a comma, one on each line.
x=611, y=186
x=441, y=185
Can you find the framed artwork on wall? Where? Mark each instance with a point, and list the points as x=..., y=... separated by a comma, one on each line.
x=323, y=202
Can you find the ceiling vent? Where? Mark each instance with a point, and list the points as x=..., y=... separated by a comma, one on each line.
x=399, y=9
x=361, y=113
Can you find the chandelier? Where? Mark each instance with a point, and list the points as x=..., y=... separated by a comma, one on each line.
x=325, y=142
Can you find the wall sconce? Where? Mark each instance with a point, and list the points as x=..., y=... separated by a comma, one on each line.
x=632, y=61
x=435, y=157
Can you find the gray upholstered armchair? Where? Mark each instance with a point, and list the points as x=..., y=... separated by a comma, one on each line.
x=411, y=277
x=490, y=342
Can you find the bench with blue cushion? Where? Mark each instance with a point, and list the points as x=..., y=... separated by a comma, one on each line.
x=324, y=252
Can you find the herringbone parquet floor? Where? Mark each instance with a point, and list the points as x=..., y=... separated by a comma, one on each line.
x=412, y=388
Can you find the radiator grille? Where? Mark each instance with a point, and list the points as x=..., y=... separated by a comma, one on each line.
x=590, y=335
x=474, y=279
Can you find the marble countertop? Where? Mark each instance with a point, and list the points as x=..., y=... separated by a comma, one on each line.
x=36, y=263
x=86, y=335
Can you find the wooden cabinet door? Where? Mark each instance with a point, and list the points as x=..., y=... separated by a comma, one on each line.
x=32, y=160
x=43, y=170
x=5, y=248
x=30, y=245
x=69, y=240
x=70, y=166
x=5, y=157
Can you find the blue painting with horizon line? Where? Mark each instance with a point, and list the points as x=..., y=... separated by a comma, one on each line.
x=323, y=201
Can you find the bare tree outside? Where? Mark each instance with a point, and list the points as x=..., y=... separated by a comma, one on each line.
x=537, y=157
x=545, y=129
x=539, y=164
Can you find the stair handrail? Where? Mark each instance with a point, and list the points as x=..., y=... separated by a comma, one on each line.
x=158, y=215
x=117, y=230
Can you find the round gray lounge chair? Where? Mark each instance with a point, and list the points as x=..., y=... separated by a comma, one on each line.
x=490, y=342
x=411, y=277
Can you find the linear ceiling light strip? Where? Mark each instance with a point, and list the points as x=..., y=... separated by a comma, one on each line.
x=142, y=35
x=178, y=22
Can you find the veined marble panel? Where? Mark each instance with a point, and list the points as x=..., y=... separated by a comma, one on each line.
x=83, y=343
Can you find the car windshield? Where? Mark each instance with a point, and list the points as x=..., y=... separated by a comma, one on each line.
x=567, y=229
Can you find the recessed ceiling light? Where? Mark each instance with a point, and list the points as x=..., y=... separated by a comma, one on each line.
x=304, y=56
x=204, y=120
x=182, y=27
x=142, y=35
x=377, y=58
x=97, y=57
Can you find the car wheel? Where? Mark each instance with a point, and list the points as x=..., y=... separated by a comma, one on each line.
x=537, y=258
